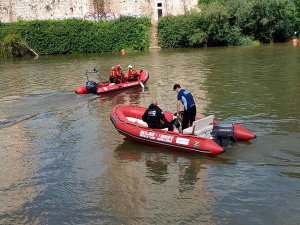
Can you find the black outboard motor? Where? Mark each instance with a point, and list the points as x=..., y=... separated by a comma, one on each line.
x=222, y=133
x=91, y=86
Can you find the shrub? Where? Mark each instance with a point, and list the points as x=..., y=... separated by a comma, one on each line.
x=12, y=45
x=264, y=20
x=215, y=23
x=272, y=21
x=231, y=22
x=174, y=31
x=198, y=38
x=75, y=35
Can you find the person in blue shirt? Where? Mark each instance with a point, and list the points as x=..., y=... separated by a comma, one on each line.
x=185, y=98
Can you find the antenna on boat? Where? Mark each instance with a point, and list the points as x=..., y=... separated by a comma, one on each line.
x=94, y=70
x=98, y=71
x=87, y=77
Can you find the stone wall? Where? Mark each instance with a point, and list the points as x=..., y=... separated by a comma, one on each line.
x=13, y=10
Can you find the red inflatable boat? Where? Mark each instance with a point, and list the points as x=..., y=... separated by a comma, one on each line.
x=91, y=87
x=205, y=135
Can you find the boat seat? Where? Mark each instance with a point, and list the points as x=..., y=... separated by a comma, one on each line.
x=137, y=121
x=201, y=126
x=204, y=130
x=206, y=135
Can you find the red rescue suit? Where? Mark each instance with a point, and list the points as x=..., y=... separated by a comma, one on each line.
x=133, y=75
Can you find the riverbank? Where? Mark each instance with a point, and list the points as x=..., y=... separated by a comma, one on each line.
x=218, y=23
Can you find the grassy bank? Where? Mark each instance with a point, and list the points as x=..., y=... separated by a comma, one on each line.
x=231, y=22
x=81, y=36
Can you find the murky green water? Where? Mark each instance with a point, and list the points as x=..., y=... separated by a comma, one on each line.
x=62, y=162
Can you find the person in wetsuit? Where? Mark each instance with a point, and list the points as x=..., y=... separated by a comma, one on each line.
x=153, y=117
x=185, y=98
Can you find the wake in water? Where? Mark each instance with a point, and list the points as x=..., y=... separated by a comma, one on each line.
x=18, y=109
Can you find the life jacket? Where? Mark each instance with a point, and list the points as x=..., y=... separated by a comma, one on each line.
x=119, y=73
x=132, y=72
x=113, y=73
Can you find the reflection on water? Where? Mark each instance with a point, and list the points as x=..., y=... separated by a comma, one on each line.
x=16, y=174
x=64, y=163
x=161, y=182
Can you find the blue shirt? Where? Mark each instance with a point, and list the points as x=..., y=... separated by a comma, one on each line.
x=186, y=98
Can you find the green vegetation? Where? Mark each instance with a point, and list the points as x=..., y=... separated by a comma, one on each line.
x=12, y=45
x=231, y=22
x=220, y=23
x=81, y=36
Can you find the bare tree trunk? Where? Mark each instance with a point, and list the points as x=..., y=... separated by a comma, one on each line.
x=28, y=48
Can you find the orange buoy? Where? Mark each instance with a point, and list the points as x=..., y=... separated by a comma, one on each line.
x=295, y=42
x=123, y=52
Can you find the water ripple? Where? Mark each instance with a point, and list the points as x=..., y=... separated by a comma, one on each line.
x=62, y=161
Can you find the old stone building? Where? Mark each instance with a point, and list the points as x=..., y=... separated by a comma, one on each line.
x=13, y=10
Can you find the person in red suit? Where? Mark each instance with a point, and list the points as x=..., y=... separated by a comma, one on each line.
x=120, y=74
x=113, y=75
x=132, y=74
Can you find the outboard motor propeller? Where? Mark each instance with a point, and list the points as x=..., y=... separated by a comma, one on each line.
x=91, y=87
x=222, y=133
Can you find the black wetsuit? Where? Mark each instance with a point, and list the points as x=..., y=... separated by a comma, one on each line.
x=153, y=117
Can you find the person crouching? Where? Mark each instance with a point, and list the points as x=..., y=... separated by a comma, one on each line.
x=153, y=117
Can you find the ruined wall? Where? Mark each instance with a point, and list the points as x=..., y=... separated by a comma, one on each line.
x=149, y=7
x=13, y=10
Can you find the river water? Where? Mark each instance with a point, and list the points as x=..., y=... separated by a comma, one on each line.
x=62, y=161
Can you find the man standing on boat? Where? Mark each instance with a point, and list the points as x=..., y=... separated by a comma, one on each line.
x=185, y=98
x=153, y=117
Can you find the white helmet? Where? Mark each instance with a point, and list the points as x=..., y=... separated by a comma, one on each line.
x=130, y=67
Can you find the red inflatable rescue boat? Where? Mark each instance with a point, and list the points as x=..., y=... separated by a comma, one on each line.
x=91, y=87
x=205, y=135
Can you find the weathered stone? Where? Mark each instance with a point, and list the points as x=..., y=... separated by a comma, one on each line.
x=13, y=10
